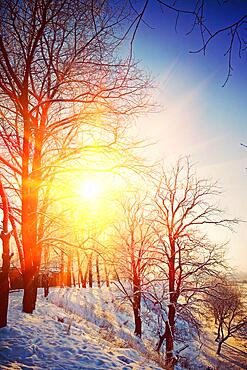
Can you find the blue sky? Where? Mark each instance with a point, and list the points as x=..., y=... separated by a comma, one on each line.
x=198, y=116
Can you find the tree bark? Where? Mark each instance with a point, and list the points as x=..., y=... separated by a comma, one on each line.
x=61, y=283
x=90, y=271
x=97, y=271
x=162, y=338
x=137, y=306
x=46, y=272
x=169, y=348
x=219, y=347
x=79, y=268
x=223, y=339
x=69, y=266
x=84, y=279
x=138, y=322
x=171, y=309
x=73, y=279
x=45, y=283
x=4, y=281
x=106, y=275
x=4, y=274
x=218, y=333
x=29, y=212
x=29, y=292
x=31, y=179
x=35, y=287
x=170, y=333
x=4, y=290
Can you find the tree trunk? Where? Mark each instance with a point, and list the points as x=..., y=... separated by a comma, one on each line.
x=90, y=271
x=223, y=339
x=46, y=273
x=169, y=347
x=17, y=241
x=4, y=281
x=106, y=275
x=72, y=270
x=97, y=271
x=170, y=333
x=79, y=268
x=69, y=267
x=35, y=288
x=31, y=178
x=138, y=322
x=28, y=241
x=218, y=333
x=162, y=338
x=137, y=306
x=84, y=279
x=29, y=292
x=73, y=279
x=4, y=275
x=26, y=228
x=171, y=310
x=61, y=283
x=45, y=283
x=46, y=291
x=4, y=297
x=29, y=245
x=219, y=347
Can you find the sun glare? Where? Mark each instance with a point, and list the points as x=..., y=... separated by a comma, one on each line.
x=89, y=189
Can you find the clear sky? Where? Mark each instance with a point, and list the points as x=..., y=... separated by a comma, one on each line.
x=199, y=117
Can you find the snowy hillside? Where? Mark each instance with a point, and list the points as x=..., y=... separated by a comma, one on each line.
x=92, y=329
x=76, y=335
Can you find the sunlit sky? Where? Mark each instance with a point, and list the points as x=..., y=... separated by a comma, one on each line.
x=198, y=116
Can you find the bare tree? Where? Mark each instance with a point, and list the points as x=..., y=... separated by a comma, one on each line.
x=184, y=204
x=133, y=258
x=58, y=67
x=226, y=304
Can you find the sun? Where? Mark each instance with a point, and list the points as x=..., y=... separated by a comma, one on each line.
x=90, y=189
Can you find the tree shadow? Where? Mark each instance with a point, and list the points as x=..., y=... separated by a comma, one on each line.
x=237, y=350
x=234, y=355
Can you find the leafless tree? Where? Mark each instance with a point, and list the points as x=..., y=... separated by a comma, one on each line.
x=185, y=204
x=226, y=304
x=133, y=257
x=59, y=65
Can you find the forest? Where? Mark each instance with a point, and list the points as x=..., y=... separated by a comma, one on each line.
x=93, y=232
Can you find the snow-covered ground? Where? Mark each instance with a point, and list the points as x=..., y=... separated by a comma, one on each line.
x=71, y=331
x=91, y=329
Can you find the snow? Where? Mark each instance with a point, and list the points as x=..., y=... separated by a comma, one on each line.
x=72, y=330
x=233, y=353
x=93, y=329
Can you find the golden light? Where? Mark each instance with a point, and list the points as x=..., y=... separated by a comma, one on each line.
x=93, y=201
x=90, y=189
